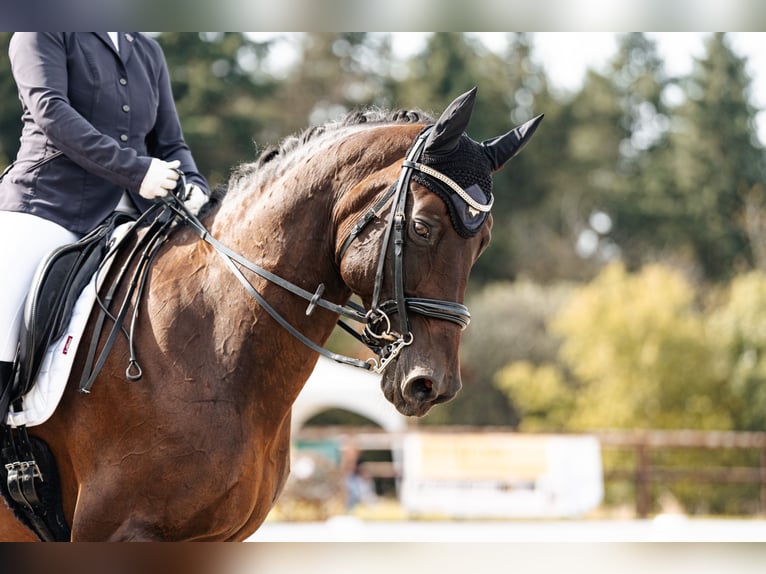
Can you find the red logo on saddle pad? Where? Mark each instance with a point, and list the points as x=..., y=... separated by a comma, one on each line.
x=66, y=345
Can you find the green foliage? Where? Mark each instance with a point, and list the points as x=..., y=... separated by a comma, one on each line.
x=220, y=102
x=639, y=196
x=541, y=394
x=739, y=326
x=638, y=346
x=639, y=350
x=715, y=162
x=10, y=111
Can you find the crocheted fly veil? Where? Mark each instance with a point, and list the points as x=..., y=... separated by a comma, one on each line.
x=469, y=167
x=469, y=164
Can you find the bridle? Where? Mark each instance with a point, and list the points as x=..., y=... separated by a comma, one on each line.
x=378, y=333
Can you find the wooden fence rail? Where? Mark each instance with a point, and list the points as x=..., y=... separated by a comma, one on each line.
x=645, y=443
x=642, y=443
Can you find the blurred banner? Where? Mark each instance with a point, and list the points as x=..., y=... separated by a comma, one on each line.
x=494, y=475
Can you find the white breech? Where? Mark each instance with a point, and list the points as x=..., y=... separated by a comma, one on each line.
x=25, y=240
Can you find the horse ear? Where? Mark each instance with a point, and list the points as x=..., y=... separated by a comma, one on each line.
x=450, y=126
x=502, y=148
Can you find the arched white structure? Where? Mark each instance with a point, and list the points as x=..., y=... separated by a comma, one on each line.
x=337, y=386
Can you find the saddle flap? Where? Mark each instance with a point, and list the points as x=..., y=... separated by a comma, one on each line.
x=57, y=284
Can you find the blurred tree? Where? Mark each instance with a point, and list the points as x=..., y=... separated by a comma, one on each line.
x=330, y=79
x=739, y=328
x=644, y=213
x=647, y=364
x=577, y=163
x=10, y=111
x=526, y=232
x=608, y=133
x=224, y=103
x=592, y=361
x=718, y=164
x=540, y=394
x=448, y=66
x=509, y=324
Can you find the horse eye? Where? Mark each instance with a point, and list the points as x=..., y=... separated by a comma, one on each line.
x=421, y=229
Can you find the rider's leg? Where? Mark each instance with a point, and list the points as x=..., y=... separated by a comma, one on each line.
x=24, y=241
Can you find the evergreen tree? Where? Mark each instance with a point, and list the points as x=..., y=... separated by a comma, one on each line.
x=226, y=106
x=445, y=69
x=718, y=164
x=582, y=174
x=525, y=235
x=644, y=210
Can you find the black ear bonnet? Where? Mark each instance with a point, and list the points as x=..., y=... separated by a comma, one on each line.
x=469, y=167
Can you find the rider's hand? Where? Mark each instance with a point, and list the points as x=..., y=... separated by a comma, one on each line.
x=195, y=198
x=160, y=179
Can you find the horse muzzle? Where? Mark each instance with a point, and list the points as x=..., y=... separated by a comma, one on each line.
x=415, y=391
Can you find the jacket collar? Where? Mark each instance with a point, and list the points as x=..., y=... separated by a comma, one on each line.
x=126, y=40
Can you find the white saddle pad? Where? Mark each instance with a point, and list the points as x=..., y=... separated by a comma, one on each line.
x=44, y=396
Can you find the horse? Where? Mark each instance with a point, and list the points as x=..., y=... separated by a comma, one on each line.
x=391, y=207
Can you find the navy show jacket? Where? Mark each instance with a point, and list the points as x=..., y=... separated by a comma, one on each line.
x=92, y=120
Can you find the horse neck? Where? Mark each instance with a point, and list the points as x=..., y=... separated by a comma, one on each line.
x=288, y=224
x=286, y=231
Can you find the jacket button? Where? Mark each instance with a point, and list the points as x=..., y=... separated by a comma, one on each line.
x=125, y=108
x=123, y=138
x=123, y=81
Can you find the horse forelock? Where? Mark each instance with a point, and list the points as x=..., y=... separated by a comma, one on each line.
x=293, y=150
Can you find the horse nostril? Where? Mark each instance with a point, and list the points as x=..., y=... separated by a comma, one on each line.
x=421, y=389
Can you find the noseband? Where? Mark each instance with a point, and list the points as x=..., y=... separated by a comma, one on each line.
x=378, y=333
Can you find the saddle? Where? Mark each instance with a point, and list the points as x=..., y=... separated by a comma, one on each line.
x=58, y=283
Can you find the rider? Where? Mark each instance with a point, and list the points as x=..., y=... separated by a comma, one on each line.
x=100, y=133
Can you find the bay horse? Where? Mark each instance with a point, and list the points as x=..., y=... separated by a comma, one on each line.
x=393, y=208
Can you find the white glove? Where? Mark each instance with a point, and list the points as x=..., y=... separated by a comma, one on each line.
x=195, y=198
x=160, y=178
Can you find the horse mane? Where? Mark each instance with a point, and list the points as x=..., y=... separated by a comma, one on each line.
x=275, y=160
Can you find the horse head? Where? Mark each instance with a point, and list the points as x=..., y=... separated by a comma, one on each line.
x=411, y=264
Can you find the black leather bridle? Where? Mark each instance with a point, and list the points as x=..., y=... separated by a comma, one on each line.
x=378, y=333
